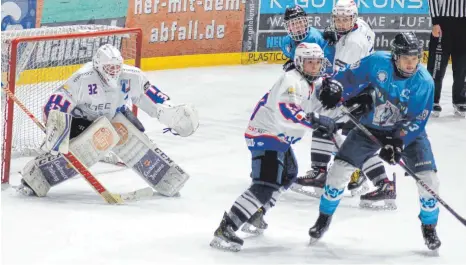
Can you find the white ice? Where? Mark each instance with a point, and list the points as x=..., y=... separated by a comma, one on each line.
x=73, y=225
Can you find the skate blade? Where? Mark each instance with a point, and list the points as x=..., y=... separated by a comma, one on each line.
x=313, y=240
x=435, y=114
x=364, y=188
x=317, y=193
x=221, y=244
x=389, y=205
x=251, y=229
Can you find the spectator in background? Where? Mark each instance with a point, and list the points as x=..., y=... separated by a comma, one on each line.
x=448, y=38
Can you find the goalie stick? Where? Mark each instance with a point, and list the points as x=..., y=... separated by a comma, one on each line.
x=406, y=168
x=79, y=166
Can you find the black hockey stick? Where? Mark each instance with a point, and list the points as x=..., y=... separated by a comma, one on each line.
x=406, y=168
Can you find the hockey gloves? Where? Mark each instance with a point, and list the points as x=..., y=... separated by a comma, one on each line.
x=330, y=93
x=365, y=99
x=289, y=65
x=391, y=150
x=331, y=36
x=322, y=123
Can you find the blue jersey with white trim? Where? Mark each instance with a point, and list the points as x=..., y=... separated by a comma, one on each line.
x=289, y=45
x=403, y=105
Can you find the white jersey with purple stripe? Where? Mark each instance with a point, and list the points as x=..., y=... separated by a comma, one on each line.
x=85, y=95
x=279, y=118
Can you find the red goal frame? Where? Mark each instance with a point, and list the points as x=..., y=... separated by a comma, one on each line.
x=8, y=115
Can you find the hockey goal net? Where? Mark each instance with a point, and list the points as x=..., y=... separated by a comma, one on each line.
x=35, y=62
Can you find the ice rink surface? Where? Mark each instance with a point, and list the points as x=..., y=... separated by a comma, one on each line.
x=73, y=225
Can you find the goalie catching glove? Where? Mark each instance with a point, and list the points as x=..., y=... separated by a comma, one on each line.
x=183, y=118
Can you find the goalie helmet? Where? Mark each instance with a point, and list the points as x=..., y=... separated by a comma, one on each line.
x=296, y=23
x=312, y=54
x=344, y=16
x=107, y=61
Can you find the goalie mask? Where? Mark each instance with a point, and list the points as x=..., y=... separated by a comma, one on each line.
x=310, y=61
x=107, y=61
x=344, y=16
x=296, y=23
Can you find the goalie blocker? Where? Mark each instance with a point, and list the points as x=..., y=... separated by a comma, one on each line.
x=126, y=140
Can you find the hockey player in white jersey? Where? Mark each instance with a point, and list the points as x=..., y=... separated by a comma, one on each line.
x=349, y=39
x=278, y=121
x=88, y=115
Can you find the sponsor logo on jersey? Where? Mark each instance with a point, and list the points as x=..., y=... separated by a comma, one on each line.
x=382, y=76
x=102, y=139
x=291, y=91
x=125, y=85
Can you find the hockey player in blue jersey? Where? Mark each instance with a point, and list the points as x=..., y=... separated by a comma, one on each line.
x=299, y=30
x=398, y=110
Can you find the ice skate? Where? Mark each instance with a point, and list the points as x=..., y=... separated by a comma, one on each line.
x=358, y=184
x=312, y=183
x=436, y=110
x=460, y=110
x=430, y=236
x=256, y=224
x=225, y=237
x=385, y=192
x=320, y=227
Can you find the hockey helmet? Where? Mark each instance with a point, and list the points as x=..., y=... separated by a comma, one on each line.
x=296, y=23
x=312, y=53
x=108, y=63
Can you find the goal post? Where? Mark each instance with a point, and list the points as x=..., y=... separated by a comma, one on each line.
x=35, y=62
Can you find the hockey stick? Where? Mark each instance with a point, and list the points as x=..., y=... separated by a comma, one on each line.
x=73, y=160
x=406, y=168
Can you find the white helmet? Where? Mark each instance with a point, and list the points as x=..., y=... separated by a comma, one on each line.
x=108, y=62
x=346, y=9
x=310, y=51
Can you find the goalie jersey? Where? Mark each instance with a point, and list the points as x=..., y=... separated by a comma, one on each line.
x=84, y=95
x=279, y=118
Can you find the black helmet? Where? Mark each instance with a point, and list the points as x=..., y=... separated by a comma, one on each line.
x=294, y=12
x=405, y=43
x=296, y=23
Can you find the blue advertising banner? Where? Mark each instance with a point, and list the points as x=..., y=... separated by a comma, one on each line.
x=365, y=6
x=18, y=14
x=264, y=25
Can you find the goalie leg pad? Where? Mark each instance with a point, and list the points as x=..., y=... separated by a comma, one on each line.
x=95, y=142
x=48, y=170
x=137, y=151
